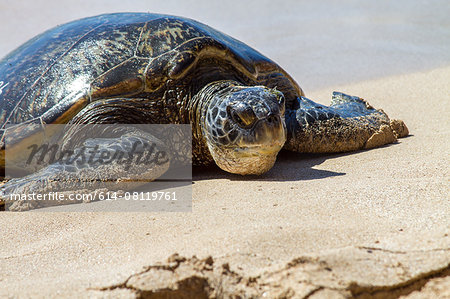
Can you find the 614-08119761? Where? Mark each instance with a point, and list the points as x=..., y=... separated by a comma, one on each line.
x=155, y=196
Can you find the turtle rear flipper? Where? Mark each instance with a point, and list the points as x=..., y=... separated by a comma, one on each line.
x=96, y=164
x=349, y=123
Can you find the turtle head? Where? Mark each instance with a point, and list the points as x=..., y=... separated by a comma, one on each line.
x=244, y=128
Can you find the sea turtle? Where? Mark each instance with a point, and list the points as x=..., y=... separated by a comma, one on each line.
x=138, y=68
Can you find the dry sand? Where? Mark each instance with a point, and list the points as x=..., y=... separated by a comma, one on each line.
x=371, y=223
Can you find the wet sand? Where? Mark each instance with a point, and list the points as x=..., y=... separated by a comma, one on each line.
x=324, y=225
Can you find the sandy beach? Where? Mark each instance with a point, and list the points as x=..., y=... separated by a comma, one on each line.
x=369, y=224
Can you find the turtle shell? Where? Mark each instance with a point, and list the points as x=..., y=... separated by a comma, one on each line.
x=163, y=59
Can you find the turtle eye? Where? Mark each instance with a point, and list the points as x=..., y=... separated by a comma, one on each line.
x=235, y=116
x=244, y=118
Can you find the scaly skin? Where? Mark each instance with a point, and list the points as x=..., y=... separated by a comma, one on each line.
x=243, y=127
x=348, y=124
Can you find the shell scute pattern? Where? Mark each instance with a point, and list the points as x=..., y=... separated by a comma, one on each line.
x=49, y=67
x=162, y=35
x=46, y=48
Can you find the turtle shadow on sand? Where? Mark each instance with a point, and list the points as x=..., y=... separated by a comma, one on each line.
x=290, y=166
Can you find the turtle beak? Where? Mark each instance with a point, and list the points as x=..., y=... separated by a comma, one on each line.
x=270, y=132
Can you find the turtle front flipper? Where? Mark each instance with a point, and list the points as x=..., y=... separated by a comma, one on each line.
x=348, y=124
x=118, y=163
